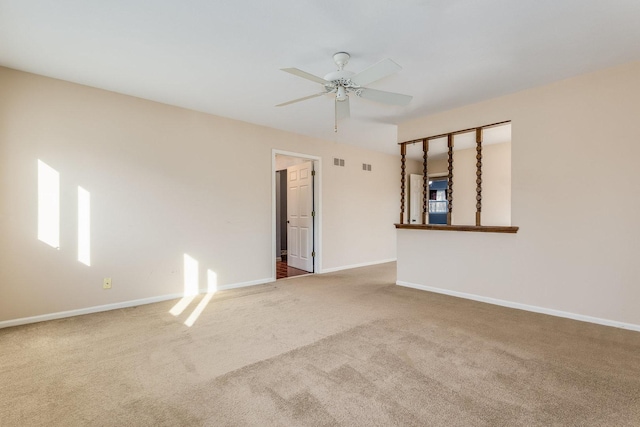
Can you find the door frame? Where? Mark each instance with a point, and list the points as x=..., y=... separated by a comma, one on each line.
x=317, y=200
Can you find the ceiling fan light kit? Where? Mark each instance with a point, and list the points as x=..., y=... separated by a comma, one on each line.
x=343, y=82
x=341, y=94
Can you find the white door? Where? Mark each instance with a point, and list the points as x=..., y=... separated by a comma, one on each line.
x=415, y=198
x=299, y=216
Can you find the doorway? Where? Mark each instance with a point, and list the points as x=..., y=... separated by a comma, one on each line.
x=296, y=214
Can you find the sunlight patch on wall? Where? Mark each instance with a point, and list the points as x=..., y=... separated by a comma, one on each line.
x=191, y=280
x=190, y=285
x=48, y=205
x=212, y=281
x=84, y=226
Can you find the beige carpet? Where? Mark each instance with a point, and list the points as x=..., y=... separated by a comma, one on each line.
x=348, y=348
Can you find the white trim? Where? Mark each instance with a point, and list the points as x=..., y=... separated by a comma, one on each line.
x=363, y=264
x=118, y=305
x=519, y=306
x=317, y=235
x=245, y=284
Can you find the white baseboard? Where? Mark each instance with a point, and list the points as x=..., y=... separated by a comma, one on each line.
x=245, y=284
x=364, y=264
x=519, y=306
x=115, y=306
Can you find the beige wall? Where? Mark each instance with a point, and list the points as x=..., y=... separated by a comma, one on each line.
x=164, y=181
x=574, y=184
x=496, y=185
x=438, y=166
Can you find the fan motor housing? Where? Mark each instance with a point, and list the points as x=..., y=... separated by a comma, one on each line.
x=339, y=75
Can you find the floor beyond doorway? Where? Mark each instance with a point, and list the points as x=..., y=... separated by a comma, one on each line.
x=283, y=271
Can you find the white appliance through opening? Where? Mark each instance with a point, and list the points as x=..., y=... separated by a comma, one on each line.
x=299, y=216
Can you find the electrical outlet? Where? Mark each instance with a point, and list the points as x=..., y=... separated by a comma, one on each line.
x=106, y=284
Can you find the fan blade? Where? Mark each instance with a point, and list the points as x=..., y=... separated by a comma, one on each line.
x=342, y=109
x=305, y=75
x=377, y=71
x=301, y=99
x=385, y=97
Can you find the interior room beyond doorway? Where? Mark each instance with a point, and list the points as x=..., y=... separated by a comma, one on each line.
x=295, y=222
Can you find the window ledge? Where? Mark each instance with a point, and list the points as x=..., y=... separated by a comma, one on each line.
x=481, y=229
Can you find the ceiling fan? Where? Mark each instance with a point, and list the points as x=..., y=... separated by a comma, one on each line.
x=343, y=82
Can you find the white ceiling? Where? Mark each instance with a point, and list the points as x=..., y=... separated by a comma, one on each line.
x=223, y=57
